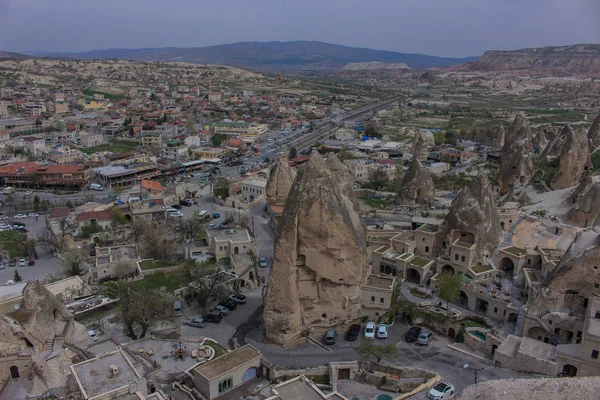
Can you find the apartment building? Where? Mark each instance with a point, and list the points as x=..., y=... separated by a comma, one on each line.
x=65, y=155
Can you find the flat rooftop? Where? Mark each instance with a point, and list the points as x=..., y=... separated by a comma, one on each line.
x=95, y=377
x=229, y=234
x=255, y=182
x=296, y=389
x=226, y=363
x=382, y=282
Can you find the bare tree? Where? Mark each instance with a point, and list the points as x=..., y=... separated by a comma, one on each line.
x=73, y=260
x=208, y=286
x=55, y=235
x=99, y=321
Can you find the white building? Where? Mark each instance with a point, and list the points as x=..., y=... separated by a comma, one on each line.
x=253, y=189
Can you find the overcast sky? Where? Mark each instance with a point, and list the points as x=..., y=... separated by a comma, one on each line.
x=438, y=27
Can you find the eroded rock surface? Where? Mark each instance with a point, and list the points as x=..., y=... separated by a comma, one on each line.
x=280, y=181
x=473, y=218
x=594, y=134
x=517, y=156
x=320, y=254
x=417, y=185
x=574, y=159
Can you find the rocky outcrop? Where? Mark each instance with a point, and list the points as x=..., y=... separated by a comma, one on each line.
x=280, y=181
x=533, y=389
x=419, y=147
x=417, y=185
x=374, y=66
x=574, y=159
x=517, y=156
x=585, y=203
x=594, y=134
x=472, y=218
x=579, y=59
x=554, y=147
x=320, y=254
x=500, y=136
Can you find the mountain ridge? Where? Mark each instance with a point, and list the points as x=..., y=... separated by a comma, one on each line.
x=274, y=56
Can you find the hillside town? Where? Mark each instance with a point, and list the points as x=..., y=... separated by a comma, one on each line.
x=205, y=232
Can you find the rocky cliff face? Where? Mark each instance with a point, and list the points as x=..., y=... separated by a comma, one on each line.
x=585, y=203
x=517, y=156
x=554, y=147
x=473, y=213
x=574, y=159
x=417, y=185
x=594, y=134
x=580, y=59
x=280, y=181
x=320, y=254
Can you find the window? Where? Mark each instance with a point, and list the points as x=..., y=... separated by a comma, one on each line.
x=225, y=385
x=549, y=322
x=597, y=316
x=556, y=331
x=426, y=249
x=456, y=256
x=462, y=258
x=373, y=299
x=529, y=261
x=381, y=300
x=495, y=309
x=595, y=354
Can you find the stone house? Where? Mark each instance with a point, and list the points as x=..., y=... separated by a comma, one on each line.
x=225, y=373
x=377, y=292
x=225, y=242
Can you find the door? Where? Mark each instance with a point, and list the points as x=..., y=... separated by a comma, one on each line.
x=344, y=373
x=250, y=374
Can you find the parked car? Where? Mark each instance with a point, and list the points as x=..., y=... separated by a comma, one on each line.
x=222, y=309
x=18, y=224
x=12, y=262
x=230, y=304
x=3, y=217
x=441, y=391
x=2, y=266
x=33, y=215
x=31, y=262
x=425, y=338
x=330, y=336
x=20, y=216
x=176, y=206
x=382, y=331
x=92, y=334
x=175, y=214
x=5, y=227
x=370, y=330
x=213, y=316
x=353, y=332
x=186, y=202
x=238, y=298
x=216, y=215
x=198, y=322
x=22, y=262
x=28, y=193
x=262, y=262
x=412, y=334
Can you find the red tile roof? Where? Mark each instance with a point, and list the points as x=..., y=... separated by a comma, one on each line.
x=59, y=212
x=97, y=215
x=151, y=185
x=19, y=168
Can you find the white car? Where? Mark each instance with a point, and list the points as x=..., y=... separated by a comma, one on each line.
x=370, y=330
x=3, y=217
x=28, y=193
x=222, y=309
x=382, y=331
x=22, y=262
x=33, y=215
x=20, y=216
x=441, y=391
x=92, y=334
x=176, y=214
x=5, y=227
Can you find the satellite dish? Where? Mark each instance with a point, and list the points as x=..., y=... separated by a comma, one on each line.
x=16, y=306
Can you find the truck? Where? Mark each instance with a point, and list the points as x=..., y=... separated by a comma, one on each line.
x=96, y=186
x=8, y=190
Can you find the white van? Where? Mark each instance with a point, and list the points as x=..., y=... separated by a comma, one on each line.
x=203, y=213
x=96, y=186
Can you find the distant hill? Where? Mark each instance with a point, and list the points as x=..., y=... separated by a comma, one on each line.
x=298, y=56
x=576, y=60
x=8, y=55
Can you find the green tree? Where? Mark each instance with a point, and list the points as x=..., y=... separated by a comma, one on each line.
x=117, y=217
x=439, y=137
x=17, y=276
x=450, y=286
x=368, y=349
x=222, y=188
x=190, y=126
x=217, y=138
x=36, y=202
x=293, y=153
x=73, y=260
x=69, y=204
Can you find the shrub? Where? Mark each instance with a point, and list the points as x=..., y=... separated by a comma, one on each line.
x=460, y=337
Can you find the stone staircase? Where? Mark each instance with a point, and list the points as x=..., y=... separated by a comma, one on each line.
x=49, y=345
x=507, y=237
x=551, y=334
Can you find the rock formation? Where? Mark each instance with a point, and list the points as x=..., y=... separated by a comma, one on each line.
x=320, y=254
x=280, y=181
x=501, y=136
x=594, y=134
x=574, y=159
x=517, y=155
x=417, y=185
x=419, y=148
x=473, y=213
x=585, y=203
x=533, y=389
